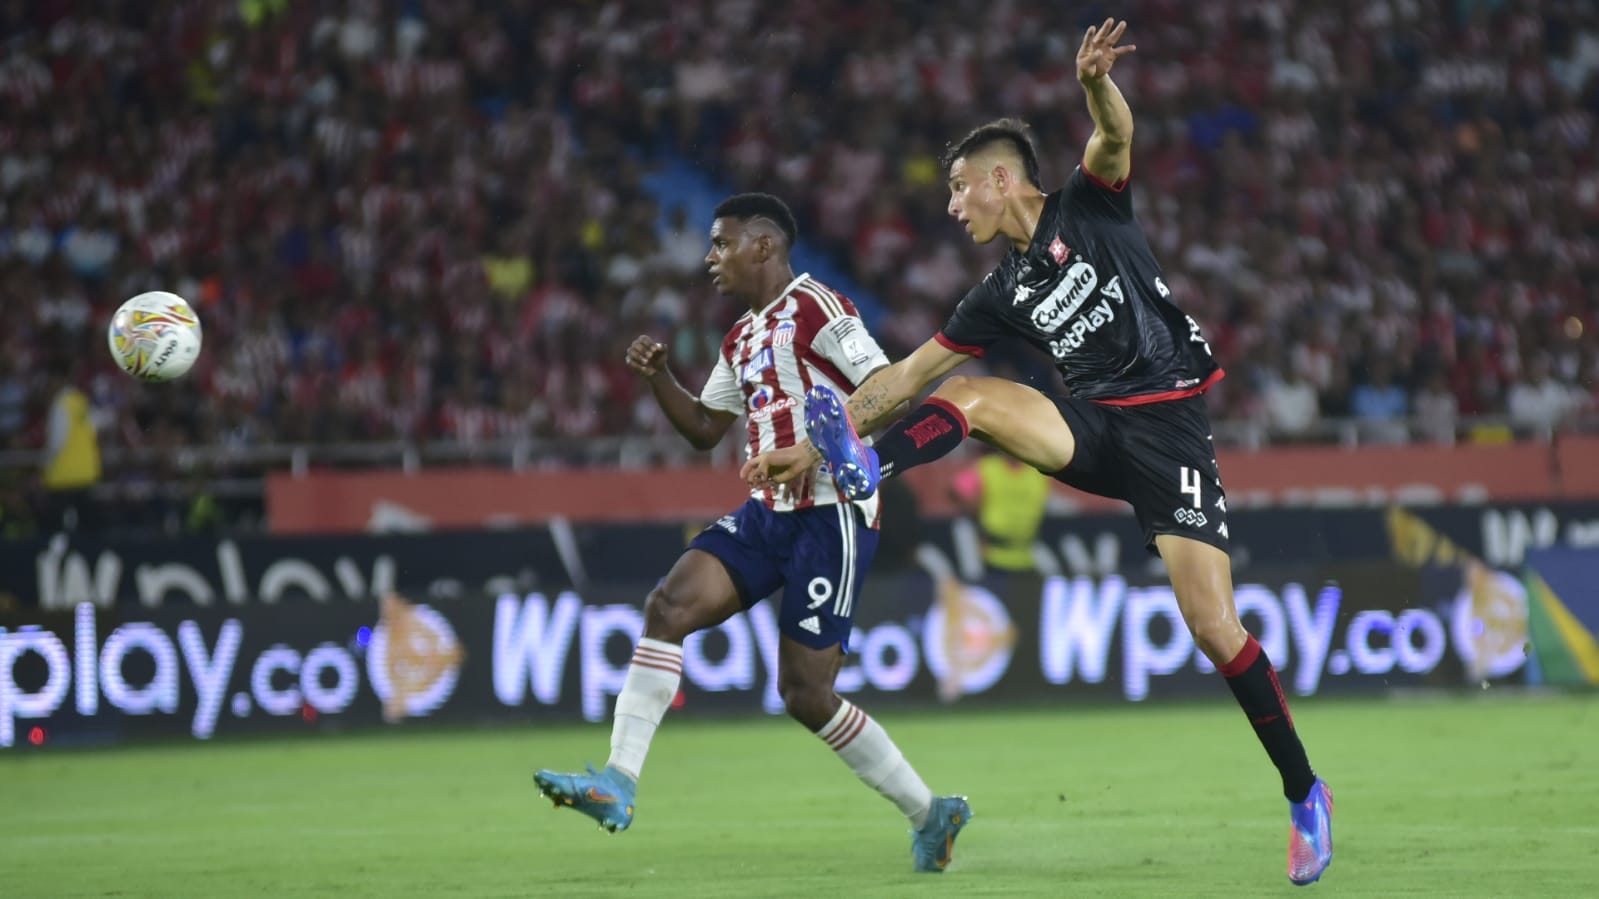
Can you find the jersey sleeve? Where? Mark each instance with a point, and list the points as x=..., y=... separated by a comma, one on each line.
x=845, y=342
x=722, y=391
x=1086, y=193
x=976, y=324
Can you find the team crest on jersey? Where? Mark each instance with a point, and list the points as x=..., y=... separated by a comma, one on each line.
x=783, y=334
x=1059, y=250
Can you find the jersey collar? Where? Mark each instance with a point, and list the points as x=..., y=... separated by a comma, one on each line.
x=1038, y=250
x=762, y=313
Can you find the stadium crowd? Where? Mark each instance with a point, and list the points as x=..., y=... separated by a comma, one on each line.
x=428, y=219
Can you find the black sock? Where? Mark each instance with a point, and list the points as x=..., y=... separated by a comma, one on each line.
x=930, y=432
x=1255, y=686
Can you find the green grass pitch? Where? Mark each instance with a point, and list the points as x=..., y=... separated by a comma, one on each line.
x=1460, y=797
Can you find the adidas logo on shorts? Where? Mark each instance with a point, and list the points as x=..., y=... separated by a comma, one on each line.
x=811, y=624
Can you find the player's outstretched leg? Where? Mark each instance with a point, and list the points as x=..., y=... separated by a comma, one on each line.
x=697, y=593
x=1012, y=417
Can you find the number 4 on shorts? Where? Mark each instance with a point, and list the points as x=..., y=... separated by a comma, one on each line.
x=1188, y=482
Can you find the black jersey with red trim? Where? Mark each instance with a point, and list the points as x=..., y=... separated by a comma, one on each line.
x=1089, y=293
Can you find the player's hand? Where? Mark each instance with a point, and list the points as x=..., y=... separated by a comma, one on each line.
x=647, y=356
x=1099, y=51
x=781, y=466
x=797, y=489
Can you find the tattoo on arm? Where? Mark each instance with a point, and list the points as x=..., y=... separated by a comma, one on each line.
x=872, y=404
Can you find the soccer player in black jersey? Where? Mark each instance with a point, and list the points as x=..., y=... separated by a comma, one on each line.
x=1081, y=284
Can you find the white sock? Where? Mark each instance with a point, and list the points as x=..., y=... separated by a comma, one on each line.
x=866, y=748
x=647, y=692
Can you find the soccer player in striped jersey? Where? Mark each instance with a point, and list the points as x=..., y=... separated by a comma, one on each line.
x=805, y=537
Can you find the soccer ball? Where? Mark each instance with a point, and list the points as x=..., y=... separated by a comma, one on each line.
x=155, y=336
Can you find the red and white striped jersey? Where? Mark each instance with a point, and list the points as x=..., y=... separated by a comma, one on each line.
x=809, y=335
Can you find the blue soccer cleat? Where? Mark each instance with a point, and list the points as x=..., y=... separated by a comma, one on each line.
x=1310, y=846
x=606, y=796
x=934, y=845
x=853, y=463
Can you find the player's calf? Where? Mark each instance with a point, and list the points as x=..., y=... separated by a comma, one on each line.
x=930, y=432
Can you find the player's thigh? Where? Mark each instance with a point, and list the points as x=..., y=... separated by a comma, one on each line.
x=1202, y=579
x=831, y=550
x=1015, y=418
x=1169, y=471
x=1175, y=487
x=699, y=592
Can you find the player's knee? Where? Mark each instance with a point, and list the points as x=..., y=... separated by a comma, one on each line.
x=966, y=394
x=1219, y=637
x=668, y=615
x=810, y=702
x=960, y=390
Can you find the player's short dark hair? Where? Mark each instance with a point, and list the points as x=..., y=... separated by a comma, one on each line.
x=756, y=205
x=1013, y=132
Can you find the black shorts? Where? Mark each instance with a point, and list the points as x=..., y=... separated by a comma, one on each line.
x=1157, y=456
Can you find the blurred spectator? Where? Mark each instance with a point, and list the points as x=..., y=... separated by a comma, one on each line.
x=1379, y=404
x=1539, y=401
x=71, y=454
x=1006, y=499
x=1291, y=405
x=1437, y=410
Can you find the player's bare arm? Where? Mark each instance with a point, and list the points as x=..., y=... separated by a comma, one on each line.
x=1109, y=154
x=702, y=427
x=880, y=398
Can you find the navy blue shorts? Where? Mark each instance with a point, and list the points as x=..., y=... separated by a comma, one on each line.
x=819, y=555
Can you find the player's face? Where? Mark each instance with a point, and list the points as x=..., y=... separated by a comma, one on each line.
x=731, y=260
x=974, y=201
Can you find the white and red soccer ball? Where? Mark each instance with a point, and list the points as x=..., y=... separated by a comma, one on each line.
x=155, y=336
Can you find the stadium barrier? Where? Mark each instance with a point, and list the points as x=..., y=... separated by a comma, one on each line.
x=1417, y=607
x=475, y=497
x=94, y=675
x=59, y=572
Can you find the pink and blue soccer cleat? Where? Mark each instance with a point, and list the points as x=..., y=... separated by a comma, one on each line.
x=853, y=463
x=1310, y=845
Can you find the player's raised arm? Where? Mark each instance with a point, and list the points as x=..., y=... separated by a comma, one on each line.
x=702, y=424
x=1109, y=156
